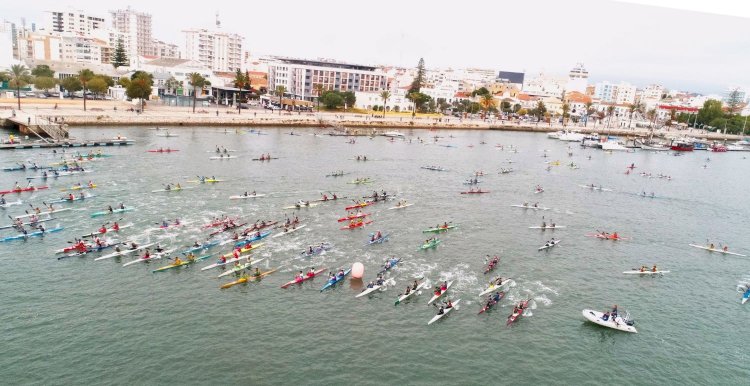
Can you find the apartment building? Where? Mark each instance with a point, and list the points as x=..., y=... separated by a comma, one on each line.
x=219, y=51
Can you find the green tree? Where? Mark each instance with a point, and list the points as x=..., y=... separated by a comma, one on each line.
x=589, y=110
x=318, y=89
x=633, y=108
x=280, y=91
x=107, y=79
x=240, y=80
x=85, y=75
x=119, y=57
x=565, y=112
x=349, y=99
x=44, y=82
x=610, y=112
x=482, y=91
x=71, y=84
x=734, y=101
x=539, y=110
x=97, y=85
x=418, y=99
x=197, y=82
x=418, y=82
x=124, y=81
x=385, y=95
x=711, y=110
x=331, y=99
x=19, y=77
x=171, y=85
x=43, y=70
x=140, y=87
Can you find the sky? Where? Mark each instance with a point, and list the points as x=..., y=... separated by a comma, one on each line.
x=701, y=47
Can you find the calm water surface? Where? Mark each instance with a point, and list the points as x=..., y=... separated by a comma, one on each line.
x=79, y=321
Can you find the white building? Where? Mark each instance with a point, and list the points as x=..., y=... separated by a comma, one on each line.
x=73, y=21
x=166, y=50
x=6, y=45
x=578, y=79
x=397, y=102
x=621, y=93
x=300, y=77
x=136, y=29
x=545, y=85
x=220, y=51
x=64, y=47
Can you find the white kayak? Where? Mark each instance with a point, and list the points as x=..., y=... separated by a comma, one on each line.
x=400, y=207
x=167, y=135
x=530, y=207
x=155, y=256
x=599, y=188
x=649, y=272
x=403, y=297
x=494, y=287
x=719, y=250
x=173, y=189
x=617, y=323
x=435, y=297
x=9, y=204
x=125, y=252
x=43, y=213
x=549, y=227
x=550, y=245
x=300, y=206
x=368, y=291
x=225, y=157
x=231, y=261
x=241, y=197
x=445, y=312
x=288, y=231
x=239, y=268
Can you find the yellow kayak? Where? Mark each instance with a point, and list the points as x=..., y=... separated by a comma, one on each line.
x=248, y=278
x=243, y=250
x=92, y=186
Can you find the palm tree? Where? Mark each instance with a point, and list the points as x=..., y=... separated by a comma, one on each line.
x=318, y=89
x=198, y=82
x=565, y=110
x=85, y=76
x=19, y=77
x=385, y=94
x=589, y=111
x=487, y=101
x=171, y=85
x=610, y=112
x=280, y=91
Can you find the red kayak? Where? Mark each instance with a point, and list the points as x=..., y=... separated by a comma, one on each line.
x=24, y=190
x=162, y=150
x=307, y=277
x=219, y=222
x=257, y=227
x=226, y=228
x=357, y=225
x=353, y=217
x=512, y=318
x=607, y=236
x=361, y=205
x=476, y=192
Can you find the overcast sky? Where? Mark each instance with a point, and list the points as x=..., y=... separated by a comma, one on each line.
x=699, y=51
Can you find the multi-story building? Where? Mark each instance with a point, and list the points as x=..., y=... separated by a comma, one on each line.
x=300, y=77
x=220, y=51
x=621, y=93
x=545, y=85
x=578, y=79
x=64, y=47
x=8, y=48
x=136, y=28
x=166, y=50
x=73, y=21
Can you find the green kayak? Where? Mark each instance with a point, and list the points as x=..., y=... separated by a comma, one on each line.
x=105, y=212
x=431, y=244
x=439, y=229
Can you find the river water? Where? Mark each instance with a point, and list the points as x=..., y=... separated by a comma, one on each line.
x=80, y=321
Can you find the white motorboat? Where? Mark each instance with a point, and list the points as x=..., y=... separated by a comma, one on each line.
x=618, y=323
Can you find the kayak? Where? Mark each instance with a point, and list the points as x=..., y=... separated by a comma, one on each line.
x=537, y=191
x=491, y=266
x=242, y=196
x=431, y=244
x=445, y=312
x=257, y=226
x=436, y=297
x=440, y=229
x=31, y=234
x=354, y=217
x=125, y=252
x=329, y=199
x=719, y=250
x=336, y=174
x=167, y=135
x=494, y=287
x=172, y=190
x=403, y=297
x=265, y=158
x=105, y=212
x=90, y=249
x=299, y=206
x=30, y=189
x=31, y=223
x=205, y=245
x=207, y=180
x=370, y=290
x=649, y=272
x=334, y=281
x=67, y=199
x=359, y=205
x=530, y=207
x=305, y=278
x=606, y=237
x=9, y=204
x=400, y=206
x=288, y=231
x=618, y=323
x=357, y=225
x=487, y=306
x=231, y=261
x=220, y=157
x=154, y=256
x=317, y=250
x=551, y=244
x=226, y=228
x=359, y=182
x=242, y=250
x=59, y=174
x=49, y=212
x=162, y=150
x=380, y=240
x=252, y=238
x=92, y=234
x=548, y=227
x=599, y=188
x=238, y=268
x=512, y=318
x=393, y=262
x=220, y=222
x=745, y=296
x=475, y=192
x=248, y=279
x=435, y=168
x=81, y=187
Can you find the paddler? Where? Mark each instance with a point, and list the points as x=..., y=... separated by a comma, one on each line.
x=109, y=209
x=103, y=229
x=653, y=269
x=177, y=261
x=257, y=272
x=2, y=200
x=91, y=184
x=496, y=298
x=146, y=255
x=122, y=206
x=71, y=197
x=444, y=286
x=380, y=280
x=341, y=273
x=370, y=285
x=311, y=272
x=116, y=227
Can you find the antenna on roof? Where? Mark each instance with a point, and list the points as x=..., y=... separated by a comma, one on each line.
x=218, y=23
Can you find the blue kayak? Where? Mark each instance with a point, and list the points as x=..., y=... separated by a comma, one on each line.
x=201, y=247
x=317, y=250
x=32, y=234
x=383, y=237
x=393, y=264
x=333, y=282
x=746, y=295
x=251, y=239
